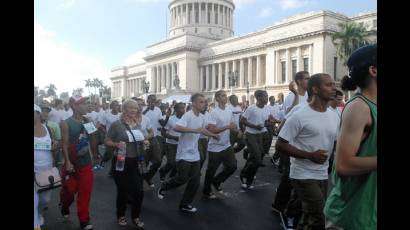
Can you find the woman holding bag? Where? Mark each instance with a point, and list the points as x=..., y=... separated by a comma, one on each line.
x=130, y=133
x=43, y=161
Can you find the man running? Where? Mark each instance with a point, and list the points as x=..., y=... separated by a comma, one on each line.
x=156, y=143
x=236, y=135
x=190, y=126
x=255, y=119
x=308, y=137
x=172, y=138
x=220, y=122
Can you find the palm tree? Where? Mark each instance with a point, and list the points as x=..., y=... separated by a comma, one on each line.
x=78, y=91
x=97, y=83
x=106, y=92
x=64, y=96
x=350, y=37
x=51, y=90
x=88, y=84
x=35, y=91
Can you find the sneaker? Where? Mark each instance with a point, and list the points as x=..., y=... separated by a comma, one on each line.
x=289, y=222
x=86, y=226
x=210, y=196
x=243, y=181
x=150, y=184
x=187, y=208
x=161, y=193
x=41, y=220
x=217, y=188
x=122, y=221
x=65, y=213
x=138, y=223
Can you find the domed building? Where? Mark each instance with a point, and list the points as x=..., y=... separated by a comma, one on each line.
x=203, y=55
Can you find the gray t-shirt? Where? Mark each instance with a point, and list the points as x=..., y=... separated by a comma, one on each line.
x=118, y=132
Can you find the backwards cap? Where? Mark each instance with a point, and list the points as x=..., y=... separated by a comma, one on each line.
x=364, y=56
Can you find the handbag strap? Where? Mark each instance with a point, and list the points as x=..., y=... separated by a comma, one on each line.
x=132, y=134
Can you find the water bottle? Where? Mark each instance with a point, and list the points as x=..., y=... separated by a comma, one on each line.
x=120, y=159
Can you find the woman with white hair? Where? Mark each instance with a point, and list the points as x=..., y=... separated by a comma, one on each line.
x=131, y=133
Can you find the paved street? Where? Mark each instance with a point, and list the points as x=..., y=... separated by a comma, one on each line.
x=241, y=210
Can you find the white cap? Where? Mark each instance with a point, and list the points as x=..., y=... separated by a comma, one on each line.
x=37, y=108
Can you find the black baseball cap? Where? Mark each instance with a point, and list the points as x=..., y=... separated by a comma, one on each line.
x=364, y=56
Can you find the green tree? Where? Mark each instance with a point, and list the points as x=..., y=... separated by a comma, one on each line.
x=88, y=85
x=97, y=84
x=350, y=37
x=78, y=91
x=64, y=96
x=51, y=90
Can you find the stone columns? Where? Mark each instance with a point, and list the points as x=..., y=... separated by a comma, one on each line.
x=186, y=14
x=212, y=21
x=168, y=76
x=276, y=72
x=310, y=58
x=241, y=73
x=299, y=59
x=250, y=78
x=157, y=79
x=201, y=78
x=258, y=70
x=206, y=13
x=199, y=12
x=207, y=77
x=192, y=13
x=231, y=17
x=234, y=68
x=220, y=76
x=172, y=75
x=288, y=67
x=213, y=77
x=226, y=75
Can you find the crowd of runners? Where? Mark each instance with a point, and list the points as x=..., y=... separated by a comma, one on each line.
x=321, y=141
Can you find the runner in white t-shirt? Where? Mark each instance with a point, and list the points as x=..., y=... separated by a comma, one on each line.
x=171, y=144
x=308, y=137
x=236, y=135
x=301, y=79
x=220, y=121
x=203, y=140
x=190, y=126
x=155, y=150
x=255, y=118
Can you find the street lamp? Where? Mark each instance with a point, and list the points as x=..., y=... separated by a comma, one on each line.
x=233, y=79
x=176, y=81
x=247, y=90
x=145, y=85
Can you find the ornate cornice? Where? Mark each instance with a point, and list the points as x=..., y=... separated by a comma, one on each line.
x=172, y=51
x=264, y=45
x=204, y=1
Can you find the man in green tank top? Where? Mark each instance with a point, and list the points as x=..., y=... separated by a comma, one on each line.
x=352, y=203
x=79, y=139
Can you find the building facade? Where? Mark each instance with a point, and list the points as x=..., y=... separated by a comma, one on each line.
x=202, y=55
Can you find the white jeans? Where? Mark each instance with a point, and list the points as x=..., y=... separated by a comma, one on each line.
x=41, y=201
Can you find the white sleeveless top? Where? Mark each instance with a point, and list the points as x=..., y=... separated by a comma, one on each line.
x=43, y=159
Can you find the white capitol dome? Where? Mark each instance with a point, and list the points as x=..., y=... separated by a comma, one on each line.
x=212, y=18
